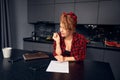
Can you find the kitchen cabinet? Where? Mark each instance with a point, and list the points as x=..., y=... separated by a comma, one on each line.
x=109, y=12
x=95, y=54
x=87, y=12
x=110, y=56
x=40, y=12
x=60, y=8
x=84, y=0
x=35, y=2
x=63, y=1
x=113, y=58
x=38, y=46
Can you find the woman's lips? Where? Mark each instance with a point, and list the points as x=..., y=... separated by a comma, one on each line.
x=62, y=34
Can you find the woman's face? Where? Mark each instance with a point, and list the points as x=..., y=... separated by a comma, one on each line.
x=63, y=31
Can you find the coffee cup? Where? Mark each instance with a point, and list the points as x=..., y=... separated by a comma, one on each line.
x=6, y=52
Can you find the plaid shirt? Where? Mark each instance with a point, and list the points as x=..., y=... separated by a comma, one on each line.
x=78, y=47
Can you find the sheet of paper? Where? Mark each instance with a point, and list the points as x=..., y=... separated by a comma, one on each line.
x=55, y=66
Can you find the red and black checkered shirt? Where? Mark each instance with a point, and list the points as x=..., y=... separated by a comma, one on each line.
x=78, y=47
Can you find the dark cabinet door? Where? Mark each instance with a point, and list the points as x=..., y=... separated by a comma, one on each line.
x=113, y=57
x=40, y=2
x=38, y=46
x=109, y=12
x=86, y=12
x=63, y=1
x=95, y=54
x=40, y=11
x=84, y=0
x=60, y=8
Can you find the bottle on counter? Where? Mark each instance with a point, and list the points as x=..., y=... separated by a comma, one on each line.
x=33, y=35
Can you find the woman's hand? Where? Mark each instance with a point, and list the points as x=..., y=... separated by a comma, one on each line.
x=56, y=37
x=60, y=58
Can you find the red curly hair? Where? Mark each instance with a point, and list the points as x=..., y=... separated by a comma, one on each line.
x=69, y=20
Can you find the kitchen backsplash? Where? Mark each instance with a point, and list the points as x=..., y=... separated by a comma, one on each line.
x=92, y=32
x=44, y=29
x=100, y=32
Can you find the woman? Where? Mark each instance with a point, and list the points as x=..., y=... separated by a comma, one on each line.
x=68, y=44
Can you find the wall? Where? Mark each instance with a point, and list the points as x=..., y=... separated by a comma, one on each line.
x=19, y=24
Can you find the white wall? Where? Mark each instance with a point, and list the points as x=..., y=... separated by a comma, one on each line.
x=19, y=23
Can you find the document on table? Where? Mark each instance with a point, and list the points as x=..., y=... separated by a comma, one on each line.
x=55, y=66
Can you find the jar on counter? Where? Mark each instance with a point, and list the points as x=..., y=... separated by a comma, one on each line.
x=33, y=35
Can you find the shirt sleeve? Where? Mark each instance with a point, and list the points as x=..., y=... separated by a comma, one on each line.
x=54, y=48
x=80, y=51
